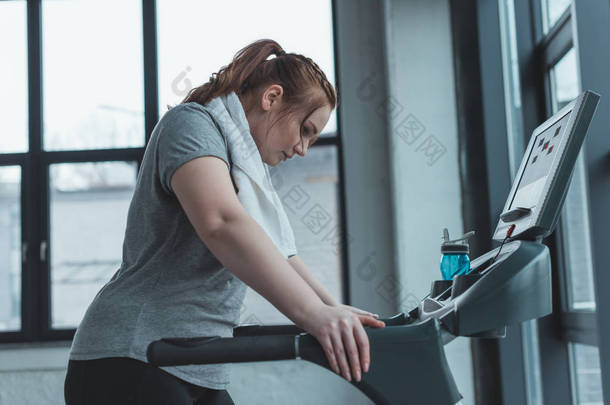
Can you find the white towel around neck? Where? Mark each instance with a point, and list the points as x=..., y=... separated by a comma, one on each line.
x=251, y=175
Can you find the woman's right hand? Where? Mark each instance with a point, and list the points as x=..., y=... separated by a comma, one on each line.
x=341, y=334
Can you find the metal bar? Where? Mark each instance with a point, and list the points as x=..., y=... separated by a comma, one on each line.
x=554, y=363
x=12, y=337
x=329, y=140
x=554, y=355
x=558, y=41
x=31, y=303
x=10, y=159
x=336, y=139
x=44, y=262
x=553, y=32
x=97, y=155
x=536, y=20
x=580, y=327
x=151, y=85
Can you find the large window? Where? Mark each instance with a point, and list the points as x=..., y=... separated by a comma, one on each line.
x=93, y=94
x=10, y=248
x=13, y=140
x=99, y=74
x=13, y=77
x=566, y=345
x=88, y=205
x=307, y=186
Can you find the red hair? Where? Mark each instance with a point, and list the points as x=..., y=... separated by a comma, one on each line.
x=251, y=72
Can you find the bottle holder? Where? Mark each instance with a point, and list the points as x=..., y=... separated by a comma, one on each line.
x=462, y=283
x=443, y=289
x=439, y=287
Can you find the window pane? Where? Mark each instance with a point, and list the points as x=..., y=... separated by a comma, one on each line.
x=586, y=375
x=10, y=248
x=577, y=240
x=13, y=77
x=565, y=80
x=89, y=203
x=512, y=96
x=575, y=214
x=551, y=11
x=308, y=188
x=200, y=53
x=93, y=75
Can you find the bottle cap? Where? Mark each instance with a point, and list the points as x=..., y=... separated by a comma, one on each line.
x=455, y=246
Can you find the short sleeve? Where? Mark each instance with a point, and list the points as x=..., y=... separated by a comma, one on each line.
x=186, y=133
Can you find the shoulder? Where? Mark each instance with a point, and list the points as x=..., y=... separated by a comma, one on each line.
x=190, y=122
x=189, y=114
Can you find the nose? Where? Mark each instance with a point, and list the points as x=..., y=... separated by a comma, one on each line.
x=300, y=148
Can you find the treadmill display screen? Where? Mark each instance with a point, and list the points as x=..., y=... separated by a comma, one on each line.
x=539, y=164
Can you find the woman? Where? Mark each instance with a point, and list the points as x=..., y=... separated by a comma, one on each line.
x=190, y=245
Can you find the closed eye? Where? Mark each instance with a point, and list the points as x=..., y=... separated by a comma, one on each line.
x=308, y=131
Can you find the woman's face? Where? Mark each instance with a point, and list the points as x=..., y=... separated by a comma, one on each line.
x=291, y=134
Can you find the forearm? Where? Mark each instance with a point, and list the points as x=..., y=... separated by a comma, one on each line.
x=244, y=248
x=300, y=267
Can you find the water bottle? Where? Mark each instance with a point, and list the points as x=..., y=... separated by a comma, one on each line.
x=454, y=255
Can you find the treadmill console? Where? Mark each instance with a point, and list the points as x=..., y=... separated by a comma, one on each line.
x=512, y=283
x=539, y=189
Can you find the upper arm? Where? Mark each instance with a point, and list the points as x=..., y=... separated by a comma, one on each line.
x=204, y=188
x=186, y=133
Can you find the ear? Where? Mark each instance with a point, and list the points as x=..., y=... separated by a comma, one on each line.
x=271, y=97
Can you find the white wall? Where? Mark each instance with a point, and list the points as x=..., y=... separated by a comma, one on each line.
x=425, y=165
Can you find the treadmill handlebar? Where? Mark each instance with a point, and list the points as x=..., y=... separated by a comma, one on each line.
x=216, y=349
x=291, y=329
x=251, y=343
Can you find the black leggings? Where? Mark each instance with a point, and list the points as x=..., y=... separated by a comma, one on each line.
x=122, y=380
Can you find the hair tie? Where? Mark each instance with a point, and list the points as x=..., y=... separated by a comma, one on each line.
x=281, y=53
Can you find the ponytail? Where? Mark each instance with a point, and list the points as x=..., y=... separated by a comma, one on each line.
x=252, y=69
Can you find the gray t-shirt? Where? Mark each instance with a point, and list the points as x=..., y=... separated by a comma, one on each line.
x=169, y=284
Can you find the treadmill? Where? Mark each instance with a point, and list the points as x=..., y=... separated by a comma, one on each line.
x=509, y=284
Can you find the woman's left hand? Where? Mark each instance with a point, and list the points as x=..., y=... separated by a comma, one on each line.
x=362, y=313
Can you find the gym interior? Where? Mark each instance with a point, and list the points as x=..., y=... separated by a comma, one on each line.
x=445, y=108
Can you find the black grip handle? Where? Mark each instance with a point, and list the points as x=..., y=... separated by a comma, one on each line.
x=291, y=329
x=251, y=343
x=214, y=349
x=265, y=330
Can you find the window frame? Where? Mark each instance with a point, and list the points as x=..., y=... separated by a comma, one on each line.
x=538, y=54
x=35, y=162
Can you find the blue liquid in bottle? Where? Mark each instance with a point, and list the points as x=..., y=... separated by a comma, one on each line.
x=454, y=255
x=454, y=264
